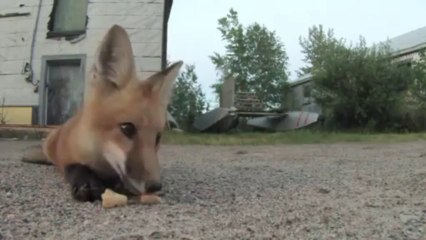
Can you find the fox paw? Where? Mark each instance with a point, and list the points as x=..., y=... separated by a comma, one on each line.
x=85, y=185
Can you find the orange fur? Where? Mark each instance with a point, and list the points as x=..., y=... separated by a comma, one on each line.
x=115, y=95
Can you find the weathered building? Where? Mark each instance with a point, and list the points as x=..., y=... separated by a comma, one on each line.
x=48, y=46
x=300, y=97
x=405, y=48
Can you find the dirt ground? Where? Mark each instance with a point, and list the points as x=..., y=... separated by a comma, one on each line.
x=333, y=191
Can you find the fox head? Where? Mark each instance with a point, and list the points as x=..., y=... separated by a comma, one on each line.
x=126, y=115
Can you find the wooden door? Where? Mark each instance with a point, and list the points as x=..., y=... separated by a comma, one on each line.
x=64, y=90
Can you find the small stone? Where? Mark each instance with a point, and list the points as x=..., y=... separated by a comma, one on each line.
x=324, y=190
x=155, y=234
x=241, y=152
x=406, y=218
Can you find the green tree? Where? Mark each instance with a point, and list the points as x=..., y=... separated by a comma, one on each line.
x=316, y=46
x=357, y=86
x=188, y=100
x=255, y=57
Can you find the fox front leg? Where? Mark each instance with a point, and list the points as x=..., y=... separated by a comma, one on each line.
x=86, y=185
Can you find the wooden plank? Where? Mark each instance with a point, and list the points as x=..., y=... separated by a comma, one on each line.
x=54, y=47
x=145, y=35
x=148, y=64
x=124, y=9
x=14, y=53
x=89, y=47
x=5, y=9
x=144, y=65
x=16, y=3
x=15, y=81
x=11, y=67
x=16, y=25
x=128, y=22
x=136, y=35
x=20, y=96
x=142, y=51
x=147, y=50
x=14, y=14
x=248, y=101
x=15, y=39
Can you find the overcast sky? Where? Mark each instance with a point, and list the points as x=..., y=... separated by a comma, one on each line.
x=193, y=34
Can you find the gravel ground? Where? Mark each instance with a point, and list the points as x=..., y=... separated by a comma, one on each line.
x=333, y=191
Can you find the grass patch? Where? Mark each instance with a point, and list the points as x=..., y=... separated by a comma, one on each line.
x=292, y=137
x=302, y=136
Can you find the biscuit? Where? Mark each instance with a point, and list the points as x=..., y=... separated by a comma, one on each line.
x=112, y=199
x=150, y=199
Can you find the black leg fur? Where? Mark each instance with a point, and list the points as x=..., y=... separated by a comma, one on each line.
x=86, y=186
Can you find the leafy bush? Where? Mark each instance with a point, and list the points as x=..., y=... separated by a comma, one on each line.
x=359, y=87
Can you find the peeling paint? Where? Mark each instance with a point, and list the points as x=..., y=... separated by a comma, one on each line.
x=14, y=14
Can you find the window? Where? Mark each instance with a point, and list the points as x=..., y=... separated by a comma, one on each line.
x=307, y=94
x=307, y=91
x=68, y=18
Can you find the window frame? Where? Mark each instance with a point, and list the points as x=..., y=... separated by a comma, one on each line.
x=72, y=33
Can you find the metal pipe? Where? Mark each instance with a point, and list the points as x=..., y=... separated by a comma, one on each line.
x=33, y=42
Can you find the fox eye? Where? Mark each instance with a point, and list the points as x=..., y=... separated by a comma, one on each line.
x=128, y=129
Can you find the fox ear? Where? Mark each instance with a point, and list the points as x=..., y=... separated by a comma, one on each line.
x=161, y=83
x=114, y=63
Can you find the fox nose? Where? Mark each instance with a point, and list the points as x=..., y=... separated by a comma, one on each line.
x=152, y=187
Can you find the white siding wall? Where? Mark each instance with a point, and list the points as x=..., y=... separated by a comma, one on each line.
x=301, y=103
x=410, y=56
x=143, y=20
x=15, y=46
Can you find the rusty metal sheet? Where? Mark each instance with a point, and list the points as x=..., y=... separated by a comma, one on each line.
x=292, y=120
x=217, y=116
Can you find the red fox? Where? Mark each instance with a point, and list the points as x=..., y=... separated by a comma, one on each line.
x=113, y=140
